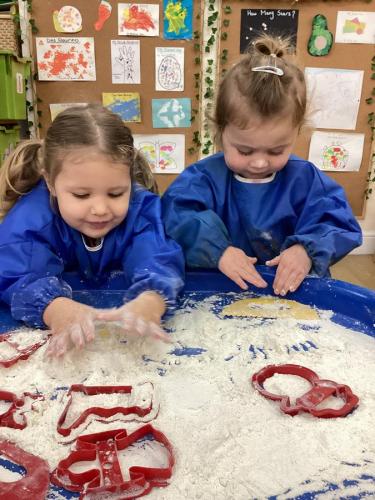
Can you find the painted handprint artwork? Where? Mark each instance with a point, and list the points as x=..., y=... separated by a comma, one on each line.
x=125, y=56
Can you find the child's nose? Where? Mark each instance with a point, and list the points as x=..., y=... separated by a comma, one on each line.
x=99, y=208
x=259, y=162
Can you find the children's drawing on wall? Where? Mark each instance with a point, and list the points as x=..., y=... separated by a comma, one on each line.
x=334, y=96
x=127, y=105
x=164, y=152
x=65, y=58
x=355, y=27
x=279, y=22
x=104, y=13
x=125, y=58
x=336, y=151
x=178, y=19
x=321, y=39
x=67, y=20
x=171, y=113
x=138, y=19
x=56, y=108
x=169, y=68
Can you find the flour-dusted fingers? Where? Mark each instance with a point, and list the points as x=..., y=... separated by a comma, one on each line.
x=77, y=336
x=295, y=280
x=158, y=333
x=281, y=279
x=251, y=275
x=58, y=345
x=238, y=280
x=88, y=329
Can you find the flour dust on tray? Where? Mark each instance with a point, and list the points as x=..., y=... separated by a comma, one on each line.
x=229, y=442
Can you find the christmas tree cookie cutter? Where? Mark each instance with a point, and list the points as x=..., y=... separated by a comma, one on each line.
x=320, y=391
x=104, y=447
x=102, y=413
x=34, y=484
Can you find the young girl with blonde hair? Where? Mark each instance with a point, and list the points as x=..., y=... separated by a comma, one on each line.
x=74, y=202
x=255, y=202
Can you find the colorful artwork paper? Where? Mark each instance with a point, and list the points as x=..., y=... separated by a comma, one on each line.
x=65, y=58
x=127, y=105
x=126, y=62
x=277, y=22
x=171, y=113
x=334, y=96
x=138, y=19
x=336, y=151
x=56, y=108
x=178, y=19
x=104, y=13
x=355, y=27
x=169, y=68
x=67, y=20
x=164, y=152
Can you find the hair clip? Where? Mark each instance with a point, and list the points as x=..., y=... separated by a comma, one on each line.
x=270, y=68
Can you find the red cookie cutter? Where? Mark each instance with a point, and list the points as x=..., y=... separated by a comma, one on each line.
x=7, y=419
x=105, y=446
x=103, y=413
x=36, y=482
x=22, y=353
x=321, y=390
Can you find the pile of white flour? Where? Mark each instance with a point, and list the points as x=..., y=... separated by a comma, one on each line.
x=229, y=441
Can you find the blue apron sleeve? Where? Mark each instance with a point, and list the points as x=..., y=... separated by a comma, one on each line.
x=30, y=280
x=326, y=227
x=153, y=262
x=190, y=219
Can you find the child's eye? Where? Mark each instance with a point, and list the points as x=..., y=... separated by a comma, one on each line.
x=115, y=195
x=245, y=153
x=276, y=153
x=80, y=196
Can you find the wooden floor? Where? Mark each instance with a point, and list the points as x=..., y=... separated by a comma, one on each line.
x=356, y=269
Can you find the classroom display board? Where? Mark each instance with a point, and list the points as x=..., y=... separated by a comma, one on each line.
x=130, y=57
x=335, y=45
x=140, y=60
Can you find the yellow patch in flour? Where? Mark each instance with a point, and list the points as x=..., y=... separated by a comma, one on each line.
x=270, y=308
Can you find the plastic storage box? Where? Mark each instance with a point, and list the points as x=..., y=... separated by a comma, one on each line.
x=9, y=137
x=14, y=71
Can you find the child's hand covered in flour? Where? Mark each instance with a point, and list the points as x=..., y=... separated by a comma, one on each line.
x=293, y=265
x=71, y=325
x=240, y=268
x=140, y=317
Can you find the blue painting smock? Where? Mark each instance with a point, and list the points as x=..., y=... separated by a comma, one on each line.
x=208, y=208
x=37, y=246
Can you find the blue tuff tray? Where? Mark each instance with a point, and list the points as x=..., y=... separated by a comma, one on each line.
x=352, y=306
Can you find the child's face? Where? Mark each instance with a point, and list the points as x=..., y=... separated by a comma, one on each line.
x=259, y=150
x=92, y=192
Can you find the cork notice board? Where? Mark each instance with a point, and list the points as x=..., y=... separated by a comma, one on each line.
x=342, y=56
x=91, y=91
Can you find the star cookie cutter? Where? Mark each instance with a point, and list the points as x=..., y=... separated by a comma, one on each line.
x=21, y=352
x=104, y=447
x=320, y=391
x=34, y=484
x=13, y=416
x=102, y=413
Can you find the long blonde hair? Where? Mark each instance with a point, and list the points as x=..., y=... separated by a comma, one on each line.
x=243, y=92
x=76, y=127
